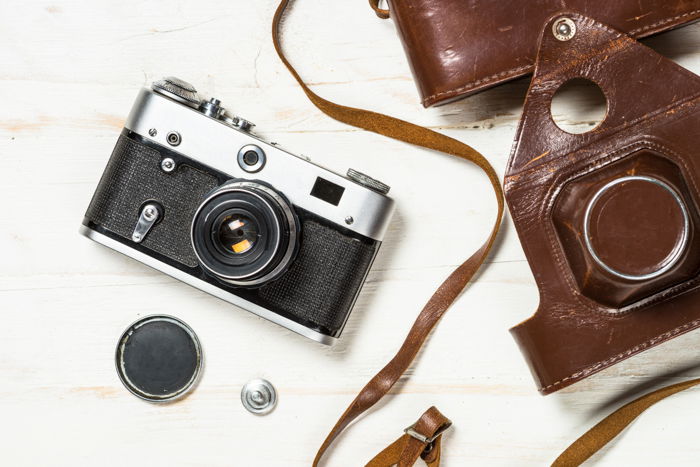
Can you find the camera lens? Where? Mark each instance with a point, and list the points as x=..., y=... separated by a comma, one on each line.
x=237, y=234
x=245, y=234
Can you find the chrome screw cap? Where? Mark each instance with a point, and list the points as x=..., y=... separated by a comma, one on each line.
x=259, y=396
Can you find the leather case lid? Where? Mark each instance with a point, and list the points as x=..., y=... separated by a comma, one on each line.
x=460, y=47
x=608, y=219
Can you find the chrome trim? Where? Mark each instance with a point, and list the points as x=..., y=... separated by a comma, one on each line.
x=678, y=249
x=206, y=286
x=216, y=144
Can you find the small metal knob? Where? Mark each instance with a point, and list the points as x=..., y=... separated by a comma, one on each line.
x=177, y=89
x=244, y=124
x=235, y=121
x=259, y=397
x=229, y=119
x=367, y=181
x=211, y=108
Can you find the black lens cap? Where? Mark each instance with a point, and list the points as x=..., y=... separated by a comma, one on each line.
x=159, y=358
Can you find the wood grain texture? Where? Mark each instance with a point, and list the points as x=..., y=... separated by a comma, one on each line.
x=70, y=71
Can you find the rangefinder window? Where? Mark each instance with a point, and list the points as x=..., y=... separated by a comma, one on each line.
x=327, y=191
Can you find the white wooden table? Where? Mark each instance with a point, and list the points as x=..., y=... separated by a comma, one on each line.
x=69, y=71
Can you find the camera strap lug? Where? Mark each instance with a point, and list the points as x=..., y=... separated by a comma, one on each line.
x=149, y=215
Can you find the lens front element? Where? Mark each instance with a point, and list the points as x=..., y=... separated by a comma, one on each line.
x=245, y=233
x=237, y=234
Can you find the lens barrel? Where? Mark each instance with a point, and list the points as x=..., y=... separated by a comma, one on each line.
x=245, y=234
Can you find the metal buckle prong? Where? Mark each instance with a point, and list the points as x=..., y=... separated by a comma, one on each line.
x=411, y=431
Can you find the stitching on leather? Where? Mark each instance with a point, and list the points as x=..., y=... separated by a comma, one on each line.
x=649, y=343
x=661, y=337
x=665, y=21
x=660, y=297
x=502, y=74
x=652, y=341
x=517, y=70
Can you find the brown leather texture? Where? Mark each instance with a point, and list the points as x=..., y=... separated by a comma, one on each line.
x=608, y=219
x=422, y=440
x=460, y=47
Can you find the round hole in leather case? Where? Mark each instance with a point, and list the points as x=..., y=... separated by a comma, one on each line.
x=579, y=106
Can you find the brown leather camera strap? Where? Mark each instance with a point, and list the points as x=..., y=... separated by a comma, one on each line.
x=381, y=12
x=423, y=439
x=446, y=294
x=594, y=439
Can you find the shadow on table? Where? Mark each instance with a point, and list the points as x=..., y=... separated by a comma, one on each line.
x=378, y=274
x=615, y=401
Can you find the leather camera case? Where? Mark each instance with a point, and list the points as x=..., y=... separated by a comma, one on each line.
x=460, y=47
x=608, y=219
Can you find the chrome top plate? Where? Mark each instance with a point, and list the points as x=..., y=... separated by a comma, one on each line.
x=216, y=144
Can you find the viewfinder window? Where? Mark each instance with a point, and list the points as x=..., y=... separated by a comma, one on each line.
x=327, y=191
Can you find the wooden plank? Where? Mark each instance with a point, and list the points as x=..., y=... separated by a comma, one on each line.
x=70, y=72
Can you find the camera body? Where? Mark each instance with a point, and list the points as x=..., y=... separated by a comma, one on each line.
x=190, y=191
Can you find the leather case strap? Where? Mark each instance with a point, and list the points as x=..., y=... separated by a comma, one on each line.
x=450, y=289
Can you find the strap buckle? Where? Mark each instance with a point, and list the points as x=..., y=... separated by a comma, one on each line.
x=427, y=440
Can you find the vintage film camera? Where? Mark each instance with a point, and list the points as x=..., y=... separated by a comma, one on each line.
x=190, y=191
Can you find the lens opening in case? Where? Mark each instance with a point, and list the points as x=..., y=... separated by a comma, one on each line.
x=676, y=250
